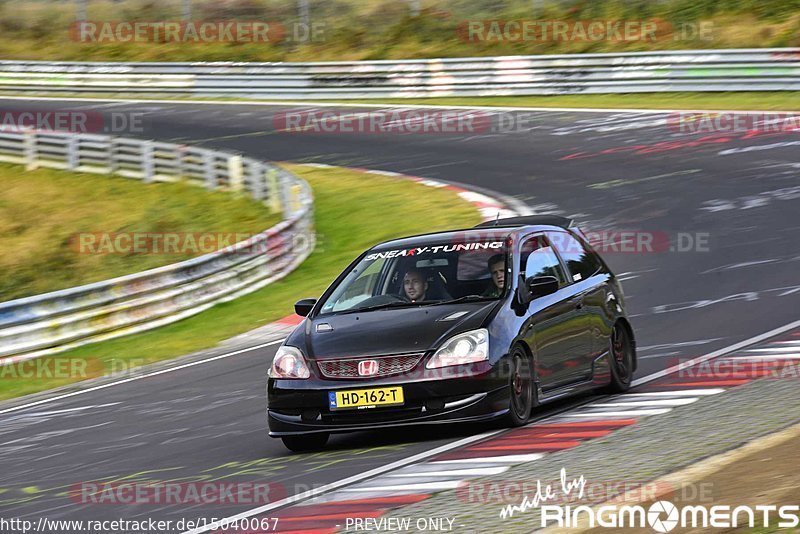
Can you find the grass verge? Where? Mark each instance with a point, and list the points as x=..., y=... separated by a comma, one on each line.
x=757, y=100
x=742, y=100
x=353, y=212
x=39, y=223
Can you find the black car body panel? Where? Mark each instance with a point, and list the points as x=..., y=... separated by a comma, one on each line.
x=354, y=334
x=566, y=334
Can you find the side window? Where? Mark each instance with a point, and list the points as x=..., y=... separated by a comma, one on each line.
x=538, y=259
x=581, y=262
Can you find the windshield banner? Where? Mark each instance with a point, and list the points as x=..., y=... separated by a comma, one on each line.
x=434, y=249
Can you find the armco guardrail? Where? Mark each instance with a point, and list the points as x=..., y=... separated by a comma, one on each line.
x=52, y=322
x=772, y=69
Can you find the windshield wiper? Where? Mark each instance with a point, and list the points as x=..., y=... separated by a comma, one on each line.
x=397, y=304
x=465, y=298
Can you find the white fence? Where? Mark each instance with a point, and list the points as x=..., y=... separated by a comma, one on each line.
x=769, y=69
x=53, y=322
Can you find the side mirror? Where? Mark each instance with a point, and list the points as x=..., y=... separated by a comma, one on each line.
x=303, y=307
x=539, y=286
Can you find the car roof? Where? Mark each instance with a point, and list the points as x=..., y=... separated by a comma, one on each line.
x=450, y=236
x=478, y=233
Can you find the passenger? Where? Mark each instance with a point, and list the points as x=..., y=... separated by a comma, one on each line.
x=415, y=285
x=497, y=268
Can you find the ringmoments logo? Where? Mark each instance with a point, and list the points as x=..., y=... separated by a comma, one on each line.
x=661, y=516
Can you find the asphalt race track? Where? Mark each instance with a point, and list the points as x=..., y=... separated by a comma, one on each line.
x=731, y=200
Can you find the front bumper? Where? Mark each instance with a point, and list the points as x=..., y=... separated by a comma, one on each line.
x=470, y=393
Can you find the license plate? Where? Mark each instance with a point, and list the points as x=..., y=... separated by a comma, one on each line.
x=365, y=398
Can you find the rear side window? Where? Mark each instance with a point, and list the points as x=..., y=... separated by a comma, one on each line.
x=538, y=259
x=581, y=261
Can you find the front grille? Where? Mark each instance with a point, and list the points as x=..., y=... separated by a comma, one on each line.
x=387, y=365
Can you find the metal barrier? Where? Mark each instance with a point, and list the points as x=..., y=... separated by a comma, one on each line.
x=53, y=322
x=769, y=69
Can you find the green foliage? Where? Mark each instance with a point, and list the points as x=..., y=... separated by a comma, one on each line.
x=384, y=29
x=768, y=101
x=39, y=223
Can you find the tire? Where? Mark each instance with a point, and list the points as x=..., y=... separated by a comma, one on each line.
x=305, y=443
x=520, y=384
x=620, y=359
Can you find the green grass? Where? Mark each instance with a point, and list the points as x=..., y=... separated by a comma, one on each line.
x=769, y=530
x=41, y=229
x=353, y=212
x=778, y=101
x=744, y=100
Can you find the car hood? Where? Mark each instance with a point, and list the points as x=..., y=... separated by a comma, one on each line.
x=387, y=331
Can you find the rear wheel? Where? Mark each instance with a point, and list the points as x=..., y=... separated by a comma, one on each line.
x=521, y=389
x=305, y=443
x=621, y=359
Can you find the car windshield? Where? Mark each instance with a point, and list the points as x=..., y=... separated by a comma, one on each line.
x=425, y=274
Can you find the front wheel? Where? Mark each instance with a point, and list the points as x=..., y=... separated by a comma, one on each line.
x=521, y=386
x=305, y=443
x=621, y=360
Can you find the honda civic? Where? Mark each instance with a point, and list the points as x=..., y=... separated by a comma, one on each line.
x=480, y=324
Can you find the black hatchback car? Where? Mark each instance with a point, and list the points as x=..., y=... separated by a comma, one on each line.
x=467, y=325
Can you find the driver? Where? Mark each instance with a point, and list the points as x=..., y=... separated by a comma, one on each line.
x=497, y=268
x=415, y=285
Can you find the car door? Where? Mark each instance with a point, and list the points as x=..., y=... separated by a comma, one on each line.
x=554, y=325
x=587, y=277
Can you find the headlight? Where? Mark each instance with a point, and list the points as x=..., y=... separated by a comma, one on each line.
x=289, y=363
x=469, y=347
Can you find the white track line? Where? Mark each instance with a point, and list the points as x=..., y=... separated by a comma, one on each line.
x=717, y=353
x=420, y=486
x=678, y=393
x=767, y=357
x=72, y=410
x=134, y=378
x=475, y=472
x=379, y=105
x=345, y=482
x=655, y=402
x=624, y=413
x=778, y=350
x=508, y=459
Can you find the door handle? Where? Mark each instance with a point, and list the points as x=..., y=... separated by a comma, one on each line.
x=579, y=305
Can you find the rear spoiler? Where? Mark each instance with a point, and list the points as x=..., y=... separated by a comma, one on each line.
x=535, y=220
